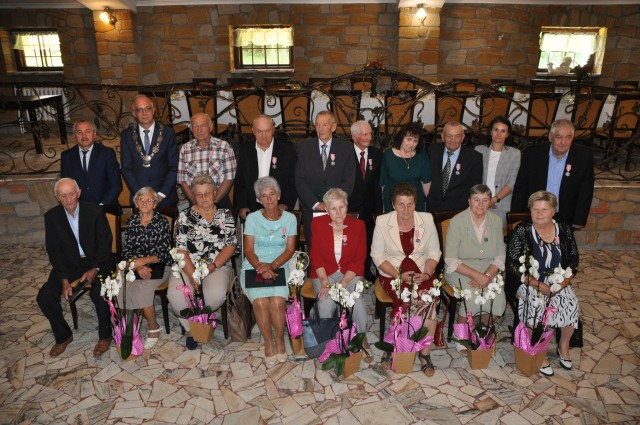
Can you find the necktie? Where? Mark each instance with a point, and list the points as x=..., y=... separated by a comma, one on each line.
x=146, y=142
x=446, y=173
x=84, y=161
x=363, y=166
x=324, y=156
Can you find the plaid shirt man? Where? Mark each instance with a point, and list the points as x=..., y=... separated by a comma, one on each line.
x=216, y=160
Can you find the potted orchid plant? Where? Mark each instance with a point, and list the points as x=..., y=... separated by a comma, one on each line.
x=126, y=323
x=344, y=352
x=202, y=320
x=407, y=334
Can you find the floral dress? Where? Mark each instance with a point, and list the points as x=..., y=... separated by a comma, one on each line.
x=549, y=256
x=203, y=240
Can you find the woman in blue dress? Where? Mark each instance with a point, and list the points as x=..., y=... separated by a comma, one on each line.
x=269, y=242
x=406, y=162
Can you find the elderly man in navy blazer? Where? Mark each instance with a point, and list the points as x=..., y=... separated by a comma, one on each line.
x=366, y=198
x=78, y=242
x=149, y=154
x=92, y=165
x=560, y=168
x=268, y=156
x=323, y=163
x=454, y=170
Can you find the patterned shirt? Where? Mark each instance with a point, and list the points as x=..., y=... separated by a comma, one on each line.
x=204, y=240
x=216, y=160
x=154, y=239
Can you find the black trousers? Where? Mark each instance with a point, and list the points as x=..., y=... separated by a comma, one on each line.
x=49, y=296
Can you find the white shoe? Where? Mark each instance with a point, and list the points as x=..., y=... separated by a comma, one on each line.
x=461, y=349
x=546, y=370
x=152, y=341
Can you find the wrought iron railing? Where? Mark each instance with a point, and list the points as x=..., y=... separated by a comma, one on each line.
x=606, y=119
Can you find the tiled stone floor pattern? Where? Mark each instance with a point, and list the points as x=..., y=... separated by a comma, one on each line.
x=228, y=383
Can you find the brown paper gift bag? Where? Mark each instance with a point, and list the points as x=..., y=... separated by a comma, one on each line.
x=527, y=364
x=479, y=359
x=131, y=356
x=297, y=346
x=200, y=332
x=352, y=364
x=403, y=362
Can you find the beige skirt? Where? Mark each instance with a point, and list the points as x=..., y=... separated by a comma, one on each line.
x=140, y=292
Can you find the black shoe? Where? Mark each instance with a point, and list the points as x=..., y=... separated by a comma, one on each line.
x=191, y=343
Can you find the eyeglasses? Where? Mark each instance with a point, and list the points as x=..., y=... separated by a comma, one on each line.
x=203, y=195
x=141, y=110
x=145, y=201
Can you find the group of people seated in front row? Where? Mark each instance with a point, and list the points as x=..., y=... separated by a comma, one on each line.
x=335, y=181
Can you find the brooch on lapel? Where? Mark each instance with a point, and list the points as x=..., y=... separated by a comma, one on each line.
x=274, y=160
x=417, y=235
x=568, y=170
x=284, y=233
x=344, y=240
x=485, y=235
x=333, y=159
x=457, y=169
x=370, y=164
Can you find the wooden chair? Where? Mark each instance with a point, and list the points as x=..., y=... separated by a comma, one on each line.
x=383, y=302
x=586, y=113
x=171, y=214
x=542, y=112
x=295, y=111
x=399, y=107
x=249, y=104
x=403, y=84
x=493, y=105
x=465, y=84
x=345, y=105
x=113, y=214
x=442, y=221
x=240, y=82
x=205, y=83
x=275, y=83
x=308, y=296
x=449, y=107
x=361, y=83
x=542, y=85
x=626, y=85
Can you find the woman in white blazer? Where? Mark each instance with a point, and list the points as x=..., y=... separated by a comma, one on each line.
x=500, y=165
x=405, y=244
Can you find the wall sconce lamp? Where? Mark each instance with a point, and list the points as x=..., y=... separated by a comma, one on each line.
x=421, y=14
x=107, y=17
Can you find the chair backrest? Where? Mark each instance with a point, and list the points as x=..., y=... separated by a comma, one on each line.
x=625, y=117
x=542, y=112
x=240, y=82
x=203, y=101
x=295, y=111
x=275, y=83
x=345, y=105
x=300, y=237
x=442, y=220
x=114, y=218
x=402, y=84
x=586, y=113
x=206, y=83
x=449, y=107
x=171, y=214
x=542, y=85
x=493, y=105
x=513, y=219
x=399, y=107
x=249, y=105
x=465, y=84
x=626, y=85
x=361, y=83
x=123, y=197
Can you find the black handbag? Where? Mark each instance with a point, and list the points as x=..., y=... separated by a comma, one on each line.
x=576, y=337
x=317, y=332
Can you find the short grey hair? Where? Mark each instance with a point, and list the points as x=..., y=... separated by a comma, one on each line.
x=75, y=125
x=264, y=183
x=561, y=123
x=140, y=96
x=63, y=180
x=356, y=127
x=335, y=194
x=479, y=189
x=147, y=190
x=543, y=195
x=202, y=180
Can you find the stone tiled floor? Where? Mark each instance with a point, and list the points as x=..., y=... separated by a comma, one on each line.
x=228, y=383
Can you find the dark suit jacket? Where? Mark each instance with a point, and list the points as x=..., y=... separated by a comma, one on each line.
x=470, y=174
x=95, y=238
x=162, y=174
x=576, y=190
x=366, y=197
x=312, y=181
x=102, y=183
x=353, y=252
x=247, y=174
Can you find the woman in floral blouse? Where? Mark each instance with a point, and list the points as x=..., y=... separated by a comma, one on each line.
x=147, y=239
x=203, y=233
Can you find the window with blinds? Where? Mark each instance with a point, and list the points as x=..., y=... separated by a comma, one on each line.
x=37, y=50
x=262, y=47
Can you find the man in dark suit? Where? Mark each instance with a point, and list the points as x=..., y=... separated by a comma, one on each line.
x=93, y=166
x=454, y=170
x=267, y=157
x=78, y=242
x=366, y=198
x=149, y=154
x=323, y=163
x=559, y=168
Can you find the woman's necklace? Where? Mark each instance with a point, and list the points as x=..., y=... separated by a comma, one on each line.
x=276, y=218
x=548, y=234
x=408, y=163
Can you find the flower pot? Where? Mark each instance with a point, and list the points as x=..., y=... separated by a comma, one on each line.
x=131, y=356
x=479, y=359
x=403, y=362
x=352, y=364
x=200, y=332
x=528, y=364
x=297, y=346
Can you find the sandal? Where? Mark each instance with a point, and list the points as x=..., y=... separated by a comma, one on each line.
x=385, y=361
x=427, y=367
x=152, y=338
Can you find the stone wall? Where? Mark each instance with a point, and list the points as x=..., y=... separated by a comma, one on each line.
x=173, y=44
x=614, y=221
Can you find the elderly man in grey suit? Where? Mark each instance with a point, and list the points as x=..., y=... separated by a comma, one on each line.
x=323, y=163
